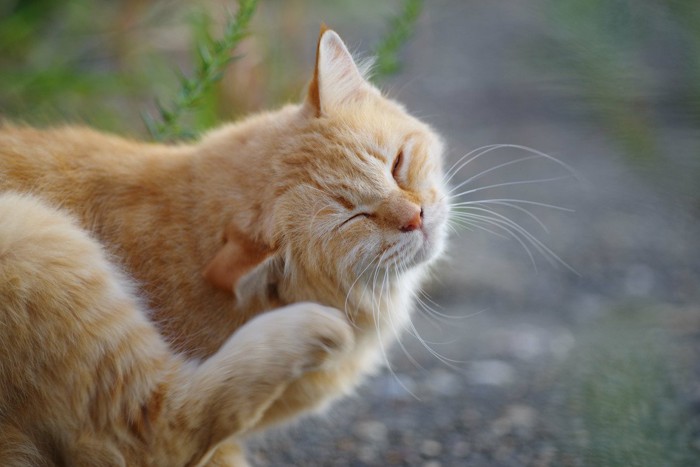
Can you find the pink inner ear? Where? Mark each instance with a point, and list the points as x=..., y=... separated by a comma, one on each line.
x=336, y=78
x=234, y=259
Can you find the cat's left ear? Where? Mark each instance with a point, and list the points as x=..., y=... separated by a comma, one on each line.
x=337, y=79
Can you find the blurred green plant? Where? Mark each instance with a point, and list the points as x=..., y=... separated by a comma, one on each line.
x=213, y=58
x=97, y=62
x=215, y=55
x=43, y=72
x=399, y=31
x=623, y=397
x=635, y=67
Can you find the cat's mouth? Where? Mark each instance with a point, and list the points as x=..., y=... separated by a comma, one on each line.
x=434, y=231
x=425, y=243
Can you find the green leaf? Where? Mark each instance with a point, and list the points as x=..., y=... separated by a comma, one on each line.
x=401, y=28
x=213, y=57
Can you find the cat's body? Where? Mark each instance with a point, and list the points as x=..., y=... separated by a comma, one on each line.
x=337, y=201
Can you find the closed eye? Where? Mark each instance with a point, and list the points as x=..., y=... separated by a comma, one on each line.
x=397, y=165
x=358, y=216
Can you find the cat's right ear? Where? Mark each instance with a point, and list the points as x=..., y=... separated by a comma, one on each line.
x=236, y=258
x=336, y=79
x=257, y=290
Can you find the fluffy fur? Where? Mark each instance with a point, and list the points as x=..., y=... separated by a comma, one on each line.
x=337, y=201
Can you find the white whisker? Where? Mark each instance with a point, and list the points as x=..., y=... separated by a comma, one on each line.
x=347, y=296
x=375, y=312
x=500, y=219
x=506, y=228
x=459, y=165
x=396, y=331
x=514, y=201
x=434, y=320
x=468, y=222
x=433, y=311
x=512, y=206
x=487, y=171
x=517, y=182
x=413, y=331
x=444, y=360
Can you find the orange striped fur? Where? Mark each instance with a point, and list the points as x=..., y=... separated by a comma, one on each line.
x=160, y=302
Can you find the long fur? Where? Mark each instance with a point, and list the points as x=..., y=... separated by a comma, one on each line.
x=337, y=201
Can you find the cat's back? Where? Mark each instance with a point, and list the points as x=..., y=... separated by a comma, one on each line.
x=29, y=155
x=67, y=166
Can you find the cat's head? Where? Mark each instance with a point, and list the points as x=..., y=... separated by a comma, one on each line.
x=361, y=193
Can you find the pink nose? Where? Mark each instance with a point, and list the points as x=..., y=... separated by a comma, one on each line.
x=414, y=223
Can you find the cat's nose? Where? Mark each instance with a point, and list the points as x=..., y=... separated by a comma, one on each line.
x=414, y=222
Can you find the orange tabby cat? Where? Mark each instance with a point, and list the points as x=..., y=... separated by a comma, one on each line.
x=337, y=201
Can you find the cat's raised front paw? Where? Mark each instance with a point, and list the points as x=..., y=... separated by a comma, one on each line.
x=324, y=334
x=301, y=337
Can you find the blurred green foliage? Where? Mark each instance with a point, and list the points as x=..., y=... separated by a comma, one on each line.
x=123, y=66
x=73, y=61
x=400, y=29
x=634, y=65
x=625, y=401
x=213, y=56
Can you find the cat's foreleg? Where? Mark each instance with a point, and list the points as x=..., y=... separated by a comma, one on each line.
x=233, y=388
x=85, y=378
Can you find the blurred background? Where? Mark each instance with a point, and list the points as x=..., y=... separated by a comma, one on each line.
x=563, y=329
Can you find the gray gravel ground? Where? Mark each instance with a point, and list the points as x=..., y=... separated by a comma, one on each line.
x=517, y=330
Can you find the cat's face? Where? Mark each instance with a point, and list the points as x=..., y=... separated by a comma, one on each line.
x=366, y=191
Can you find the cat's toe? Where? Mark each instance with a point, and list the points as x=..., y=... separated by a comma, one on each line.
x=326, y=336
x=297, y=338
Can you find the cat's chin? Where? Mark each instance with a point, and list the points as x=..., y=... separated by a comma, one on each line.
x=431, y=249
x=431, y=245
x=433, y=236
x=425, y=249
